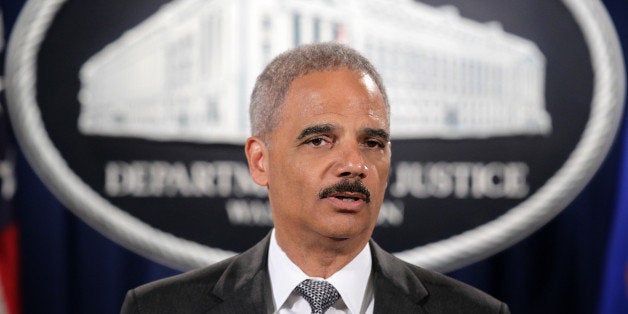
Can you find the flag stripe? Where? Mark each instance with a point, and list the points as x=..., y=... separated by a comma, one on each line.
x=9, y=268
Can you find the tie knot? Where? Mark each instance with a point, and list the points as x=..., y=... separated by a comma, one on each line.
x=320, y=294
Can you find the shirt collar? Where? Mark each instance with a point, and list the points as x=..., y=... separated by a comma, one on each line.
x=351, y=281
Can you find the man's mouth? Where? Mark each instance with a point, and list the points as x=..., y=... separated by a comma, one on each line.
x=348, y=197
x=347, y=191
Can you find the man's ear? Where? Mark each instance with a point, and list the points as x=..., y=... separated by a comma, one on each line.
x=257, y=157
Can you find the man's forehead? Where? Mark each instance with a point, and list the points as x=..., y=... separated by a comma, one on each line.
x=338, y=116
x=369, y=83
x=325, y=96
x=360, y=75
x=342, y=85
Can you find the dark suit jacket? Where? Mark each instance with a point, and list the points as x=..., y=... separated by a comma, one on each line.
x=241, y=285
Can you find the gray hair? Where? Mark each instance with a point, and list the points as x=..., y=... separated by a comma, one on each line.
x=273, y=83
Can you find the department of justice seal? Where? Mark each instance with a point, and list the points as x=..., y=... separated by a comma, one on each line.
x=135, y=113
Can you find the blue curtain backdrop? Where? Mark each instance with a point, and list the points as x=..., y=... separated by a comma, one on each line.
x=66, y=267
x=614, y=298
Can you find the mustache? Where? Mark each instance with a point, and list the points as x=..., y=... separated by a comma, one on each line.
x=346, y=185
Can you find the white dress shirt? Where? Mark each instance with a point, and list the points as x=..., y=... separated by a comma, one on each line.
x=353, y=283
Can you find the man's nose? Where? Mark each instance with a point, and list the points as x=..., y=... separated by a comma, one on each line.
x=351, y=162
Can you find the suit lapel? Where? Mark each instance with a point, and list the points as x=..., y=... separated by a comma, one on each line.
x=397, y=289
x=243, y=285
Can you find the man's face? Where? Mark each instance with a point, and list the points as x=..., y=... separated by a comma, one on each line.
x=327, y=161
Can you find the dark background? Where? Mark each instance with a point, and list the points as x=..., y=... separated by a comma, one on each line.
x=66, y=267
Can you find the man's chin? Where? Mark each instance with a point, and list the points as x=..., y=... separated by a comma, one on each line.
x=343, y=232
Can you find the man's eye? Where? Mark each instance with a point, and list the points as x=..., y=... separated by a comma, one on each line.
x=374, y=144
x=317, y=141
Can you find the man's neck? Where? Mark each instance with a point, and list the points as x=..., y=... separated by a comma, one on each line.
x=320, y=256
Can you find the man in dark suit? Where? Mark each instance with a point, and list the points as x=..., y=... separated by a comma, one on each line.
x=320, y=144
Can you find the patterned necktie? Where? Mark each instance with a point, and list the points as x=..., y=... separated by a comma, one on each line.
x=320, y=294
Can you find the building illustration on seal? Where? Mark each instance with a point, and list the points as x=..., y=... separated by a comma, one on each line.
x=186, y=72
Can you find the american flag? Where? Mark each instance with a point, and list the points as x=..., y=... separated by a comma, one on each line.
x=9, y=271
